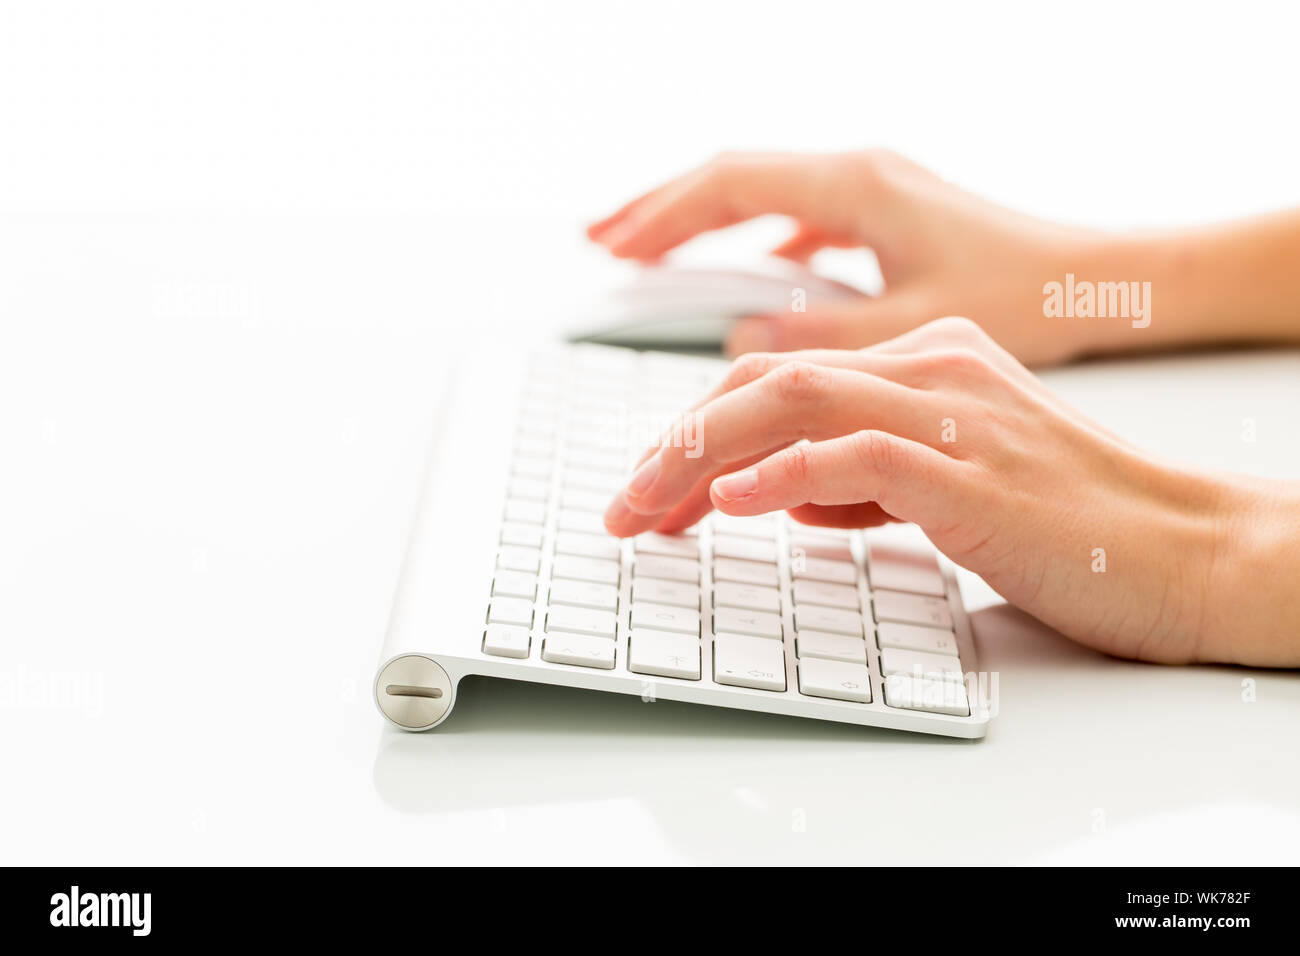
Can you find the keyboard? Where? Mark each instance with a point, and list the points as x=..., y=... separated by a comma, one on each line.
x=758, y=613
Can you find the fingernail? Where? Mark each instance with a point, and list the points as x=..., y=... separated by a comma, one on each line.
x=616, y=514
x=734, y=487
x=645, y=476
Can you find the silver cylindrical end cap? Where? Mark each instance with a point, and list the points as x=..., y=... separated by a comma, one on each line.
x=413, y=691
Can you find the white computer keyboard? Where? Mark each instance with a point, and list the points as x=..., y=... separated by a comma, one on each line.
x=760, y=612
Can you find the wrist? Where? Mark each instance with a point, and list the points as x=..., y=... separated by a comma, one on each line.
x=1252, y=611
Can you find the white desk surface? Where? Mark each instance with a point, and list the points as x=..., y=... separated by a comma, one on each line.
x=211, y=437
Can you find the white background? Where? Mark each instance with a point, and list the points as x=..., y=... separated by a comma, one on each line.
x=237, y=241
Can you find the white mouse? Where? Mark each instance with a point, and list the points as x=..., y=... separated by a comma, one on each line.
x=676, y=307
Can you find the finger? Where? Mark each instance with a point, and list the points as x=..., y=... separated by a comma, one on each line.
x=841, y=325
x=865, y=515
x=905, y=478
x=602, y=226
x=808, y=241
x=795, y=401
x=812, y=189
x=622, y=522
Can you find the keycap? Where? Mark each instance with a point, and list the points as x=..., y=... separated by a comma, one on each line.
x=817, y=618
x=665, y=617
x=527, y=512
x=534, y=447
x=605, y=482
x=748, y=549
x=531, y=467
x=738, y=621
x=581, y=620
x=831, y=595
x=934, y=696
x=898, y=568
x=588, y=522
x=674, y=569
x=826, y=548
x=757, y=526
x=582, y=500
x=834, y=679
x=836, y=647
x=530, y=489
x=822, y=569
x=600, y=597
x=659, y=591
x=911, y=608
x=914, y=637
x=528, y=535
x=510, y=611
x=579, y=650
x=749, y=662
x=663, y=654
x=588, y=545
x=745, y=572
x=514, y=584
x=895, y=660
x=578, y=568
x=668, y=545
x=505, y=640
x=751, y=596
x=589, y=459
x=519, y=559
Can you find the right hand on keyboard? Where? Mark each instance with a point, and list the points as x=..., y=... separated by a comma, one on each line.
x=942, y=427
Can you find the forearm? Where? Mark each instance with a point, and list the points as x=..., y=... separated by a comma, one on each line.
x=1230, y=282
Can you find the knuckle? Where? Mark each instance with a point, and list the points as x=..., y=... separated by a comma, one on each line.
x=800, y=382
x=874, y=451
x=958, y=328
x=796, y=464
x=748, y=367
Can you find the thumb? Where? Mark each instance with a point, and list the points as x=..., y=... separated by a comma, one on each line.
x=841, y=325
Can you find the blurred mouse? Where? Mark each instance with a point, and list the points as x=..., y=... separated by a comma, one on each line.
x=677, y=308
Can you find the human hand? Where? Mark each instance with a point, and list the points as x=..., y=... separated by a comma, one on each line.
x=944, y=428
x=941, y=250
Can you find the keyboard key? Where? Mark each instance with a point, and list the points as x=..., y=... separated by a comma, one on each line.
x=757, y=526
x=530, y=489
x=539, y=468
x=604, y=482
x=897, y=568
x=588, y=545
x=511, y=611
x=514, y=584
x=581, y=620
x=579, y=650
x=672, y=569
x=835, y=647
x=834, y=679
x=664, y=654
x=911, y=609
x=914, y=637
x=753, y=597
x=826, y=548
x=599, y=597
x=504, y=640
x=830, y=595
x=659, y=591
x=527, y=512
x=528, y=535
x=895, y=660
x=530, y=446
x=748, y=549
x=519, y=559
x=578, y=568
x=745, y=572
x=581, y=500
x=933, y=696
x=668, y=545
x=817, y=618
x=665, y=618
x=822, y=569
x=588, y=522
x=749, y=662
x=737, y=621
